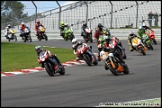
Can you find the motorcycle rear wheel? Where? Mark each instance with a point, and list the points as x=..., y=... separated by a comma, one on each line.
x=126, y=69
x=45, y=36
x=154, y=41
x=62, y=72
x=151, y=47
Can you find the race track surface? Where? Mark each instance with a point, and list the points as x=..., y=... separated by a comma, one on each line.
x=84, y=86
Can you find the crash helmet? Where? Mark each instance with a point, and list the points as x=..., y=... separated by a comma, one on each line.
x=38, y=21
x=9, y=26
x=107, y=39
x=131, y=32
x=85, y=25
x=143, y=24
x=62, y=23
x=38, y=49
x=74, y=41
x=66, y=25
x=22, y=24
x=100, y=25
x=140, y=28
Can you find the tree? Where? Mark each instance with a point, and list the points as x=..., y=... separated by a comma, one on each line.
x=12, y=11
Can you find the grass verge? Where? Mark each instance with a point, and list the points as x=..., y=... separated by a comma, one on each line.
x=15, y=56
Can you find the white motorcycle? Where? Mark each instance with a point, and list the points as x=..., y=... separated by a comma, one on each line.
x=11, y=35
x=26, y=36
x=138, y=45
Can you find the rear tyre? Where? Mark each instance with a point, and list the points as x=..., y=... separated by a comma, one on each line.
x=45, y=36
x=154, y=41
x=151, y=47
x=126, y=69
x=62, y=72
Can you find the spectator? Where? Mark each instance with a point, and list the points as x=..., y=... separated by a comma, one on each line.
x=156, y=18
x=150, y=15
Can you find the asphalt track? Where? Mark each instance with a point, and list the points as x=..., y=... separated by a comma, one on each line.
x=84, y=86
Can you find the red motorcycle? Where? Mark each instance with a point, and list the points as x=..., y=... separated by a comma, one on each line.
x=51, y=65
x=117, y=46
x=85, y=54
x=88, y=35
x=151, y=35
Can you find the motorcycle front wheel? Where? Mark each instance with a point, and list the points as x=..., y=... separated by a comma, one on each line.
x=154, y=41
x=48, y=68
x=87, y=60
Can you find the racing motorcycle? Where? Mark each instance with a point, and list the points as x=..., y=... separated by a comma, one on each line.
x=112, y=63
x=88, y=35
x=138, y=45
x=51, y=65
x=147, y=41
x=118, y=44
x=26, y=36
x=151, y=35
x=42, y=34
x=11, y=35
x=68, y=34
x=85, y=54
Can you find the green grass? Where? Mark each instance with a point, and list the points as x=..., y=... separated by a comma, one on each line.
x=15, y=56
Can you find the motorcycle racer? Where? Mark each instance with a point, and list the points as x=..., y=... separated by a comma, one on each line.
x=146, y=27
x=130, y=37
x=22, y=27
x=101, y=30
x=107, y=49
x=7, y=30
x=39, y=49
x=101, y=42
x=75, y=45
x=83, y=29
x=36, y=26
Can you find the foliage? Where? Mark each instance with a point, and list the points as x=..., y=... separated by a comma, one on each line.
x=12, y=11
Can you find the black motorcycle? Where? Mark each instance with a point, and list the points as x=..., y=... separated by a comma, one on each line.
x=88, y=35
x=51, y=65
x=26, y=36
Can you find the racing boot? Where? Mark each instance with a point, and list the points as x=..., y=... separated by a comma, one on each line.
x=131, y=48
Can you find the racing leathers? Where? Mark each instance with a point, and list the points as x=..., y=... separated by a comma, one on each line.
x=101, y=31
x=36, y=27
x=51, y=55
x=75, y=46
